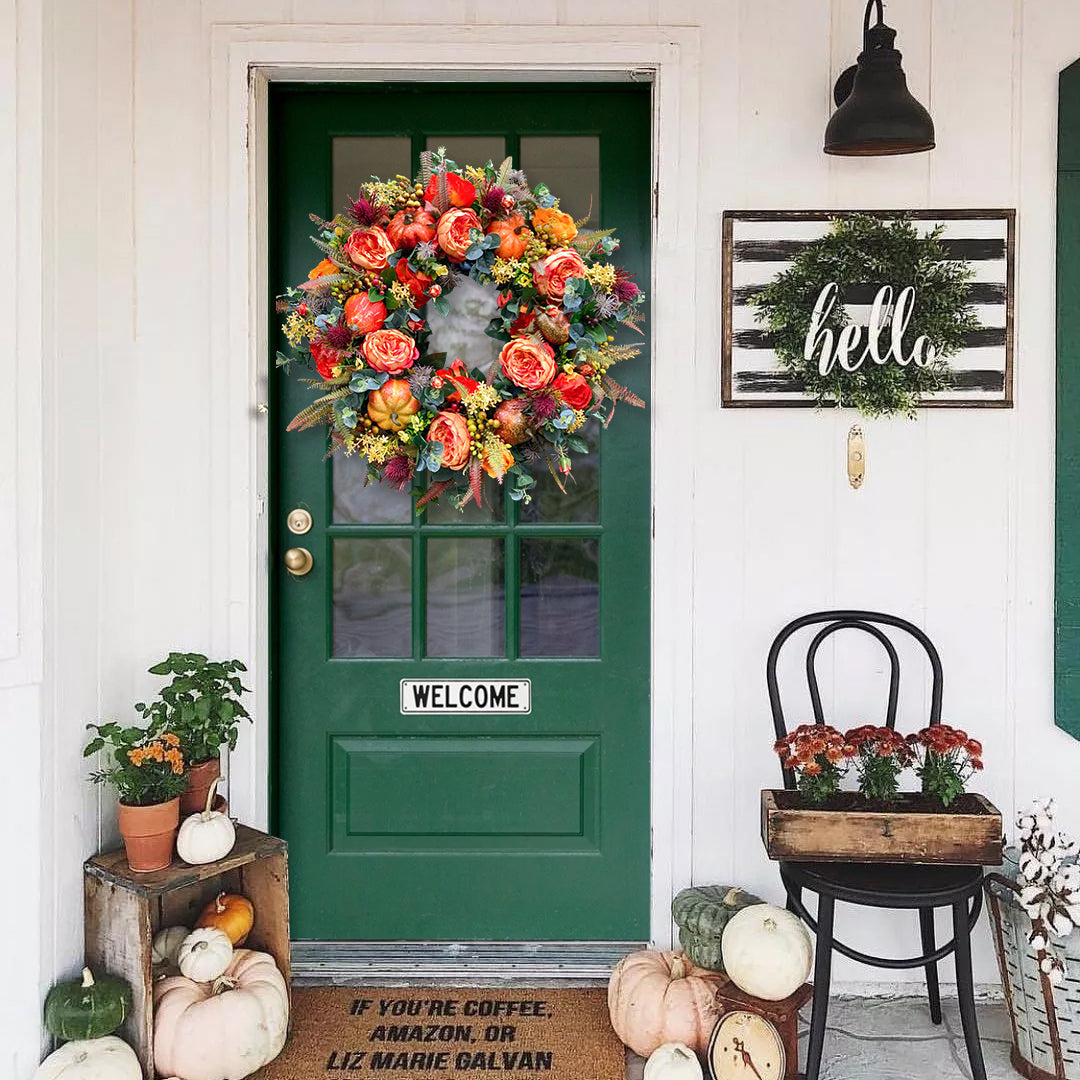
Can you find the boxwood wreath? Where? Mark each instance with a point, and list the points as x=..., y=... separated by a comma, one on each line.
x=860, y=249
x=360, y=324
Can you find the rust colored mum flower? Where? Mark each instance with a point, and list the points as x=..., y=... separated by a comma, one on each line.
x=819, y=755
x=882, y=755
x=945, y=760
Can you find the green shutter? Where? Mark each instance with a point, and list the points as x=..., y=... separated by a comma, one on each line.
x=1067, y=579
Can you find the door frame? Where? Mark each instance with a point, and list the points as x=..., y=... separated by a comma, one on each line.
x=245, y=59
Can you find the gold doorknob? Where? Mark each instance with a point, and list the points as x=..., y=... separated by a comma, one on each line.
x=298, y=561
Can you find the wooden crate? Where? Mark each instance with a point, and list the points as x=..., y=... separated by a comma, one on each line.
x=124, y=909
x=969, y=835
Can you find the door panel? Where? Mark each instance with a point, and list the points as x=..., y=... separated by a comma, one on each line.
x=463, y=826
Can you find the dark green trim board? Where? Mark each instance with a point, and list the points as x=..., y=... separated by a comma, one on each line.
x=1067, y=553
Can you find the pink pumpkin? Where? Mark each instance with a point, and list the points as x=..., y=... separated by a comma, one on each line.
x=223, y=1030
x=661, y=997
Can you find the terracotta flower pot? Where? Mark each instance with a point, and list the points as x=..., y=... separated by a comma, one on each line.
x=149, y=834
x=199, y=779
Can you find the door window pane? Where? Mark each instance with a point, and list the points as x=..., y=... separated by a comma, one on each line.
x=470, y=149
x=460, y=333
x=570, y=166
x=560, y=597
x=356, y=158
x=444, y=512
x=465, y=608
x=581, y=503
x=373, y=504
x=372, y=597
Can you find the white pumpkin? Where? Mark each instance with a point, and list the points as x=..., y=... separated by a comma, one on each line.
x=166, y=947
x=107, y=1058
x=205, y=954
x=767, y=951
x=673, y=1061
x=225, y=1030
x=207, y=836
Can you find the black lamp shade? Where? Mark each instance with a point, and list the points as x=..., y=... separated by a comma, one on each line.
x=877, y=114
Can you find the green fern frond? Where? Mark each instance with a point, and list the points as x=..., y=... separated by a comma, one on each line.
x=634, y=322
x=318, y=412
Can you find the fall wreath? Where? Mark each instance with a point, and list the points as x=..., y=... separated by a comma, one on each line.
x=360, y=324
x=856, y=250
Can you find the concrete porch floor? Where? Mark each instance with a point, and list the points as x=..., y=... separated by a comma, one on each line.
x=893, y=1039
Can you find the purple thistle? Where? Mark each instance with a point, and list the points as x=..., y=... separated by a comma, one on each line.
x=420, y=378
x=362, y=212
x=544, y=406
x=399, y=470
x=338, y=336
x=608, y=307
x=492, y=200
x=425, y=250
x=624, y=288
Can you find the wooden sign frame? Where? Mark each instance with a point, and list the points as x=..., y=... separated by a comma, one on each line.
x=760, y=381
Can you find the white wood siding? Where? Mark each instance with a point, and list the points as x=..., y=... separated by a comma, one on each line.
x=953, y=528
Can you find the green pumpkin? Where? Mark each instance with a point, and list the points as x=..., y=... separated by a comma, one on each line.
x=701, y=913
x=87, y=1008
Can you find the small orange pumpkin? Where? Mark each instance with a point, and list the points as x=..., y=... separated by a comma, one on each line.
x=513, y=235
x=392, y=406
x=230, y=912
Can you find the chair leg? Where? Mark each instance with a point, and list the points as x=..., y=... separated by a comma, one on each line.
x=794, y=892
x=926, y=926
x=965, y=989
x=822, y=974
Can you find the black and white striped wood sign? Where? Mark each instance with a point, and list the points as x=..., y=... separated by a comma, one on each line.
x=759, y=245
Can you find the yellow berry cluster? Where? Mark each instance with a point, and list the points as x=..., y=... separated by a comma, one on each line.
x=601, y=276
x=297, y=327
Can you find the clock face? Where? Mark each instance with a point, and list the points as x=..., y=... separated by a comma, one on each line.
x=745, y=1046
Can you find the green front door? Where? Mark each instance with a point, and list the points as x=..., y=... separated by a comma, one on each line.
x=410, y=812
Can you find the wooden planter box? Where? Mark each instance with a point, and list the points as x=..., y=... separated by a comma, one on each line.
x=124, y=910
x=969, y=833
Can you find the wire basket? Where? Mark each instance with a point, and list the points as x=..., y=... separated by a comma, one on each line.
x=1045, y=1018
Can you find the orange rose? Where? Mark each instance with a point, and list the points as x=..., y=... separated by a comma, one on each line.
x=575, y=391
x=368, y=248
x=452, y=430
x=453, y=231
x=560, y=225
x=528, y=364
x=324, y=268
x=507, y=460
x=552, y=272
x=364, y=316
x=391, y=351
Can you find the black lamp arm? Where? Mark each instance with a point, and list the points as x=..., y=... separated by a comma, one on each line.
x=870, y=5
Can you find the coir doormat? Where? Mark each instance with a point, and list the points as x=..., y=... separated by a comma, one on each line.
x=418, y=1034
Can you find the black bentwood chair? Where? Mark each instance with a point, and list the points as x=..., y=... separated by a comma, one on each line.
x=883, y=885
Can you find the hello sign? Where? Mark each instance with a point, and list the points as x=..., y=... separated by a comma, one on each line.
x=758, y=246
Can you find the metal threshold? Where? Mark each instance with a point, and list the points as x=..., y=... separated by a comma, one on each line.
x=472, y=963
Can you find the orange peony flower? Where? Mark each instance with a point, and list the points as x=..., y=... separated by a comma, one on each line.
x=369, y=247
x=453, y=232
x=451, y=429
x=560, y=224
x=528, y=364
x=552, y=273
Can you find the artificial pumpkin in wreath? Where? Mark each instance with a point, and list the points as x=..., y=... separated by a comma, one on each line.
x=701, y=914
x=87, y=1007
x=661, y=997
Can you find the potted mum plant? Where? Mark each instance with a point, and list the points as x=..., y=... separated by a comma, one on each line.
x=201, y=705
x=147, y=771
x=819, y=820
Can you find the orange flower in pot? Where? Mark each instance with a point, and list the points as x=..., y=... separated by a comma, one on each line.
x=147, y=771
x=201, y=705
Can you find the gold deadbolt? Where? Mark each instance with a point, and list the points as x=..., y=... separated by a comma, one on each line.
x=298, y=561
x=299, y=521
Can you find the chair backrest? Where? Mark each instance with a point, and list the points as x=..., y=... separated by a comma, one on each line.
x=869, y=622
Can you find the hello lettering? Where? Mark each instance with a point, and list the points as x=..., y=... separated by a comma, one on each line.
x=842, y=347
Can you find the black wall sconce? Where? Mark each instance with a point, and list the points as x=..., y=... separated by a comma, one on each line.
x=876, y=113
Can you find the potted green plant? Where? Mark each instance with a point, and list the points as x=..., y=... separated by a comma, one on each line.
x=202, y=706
x=148, y=774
